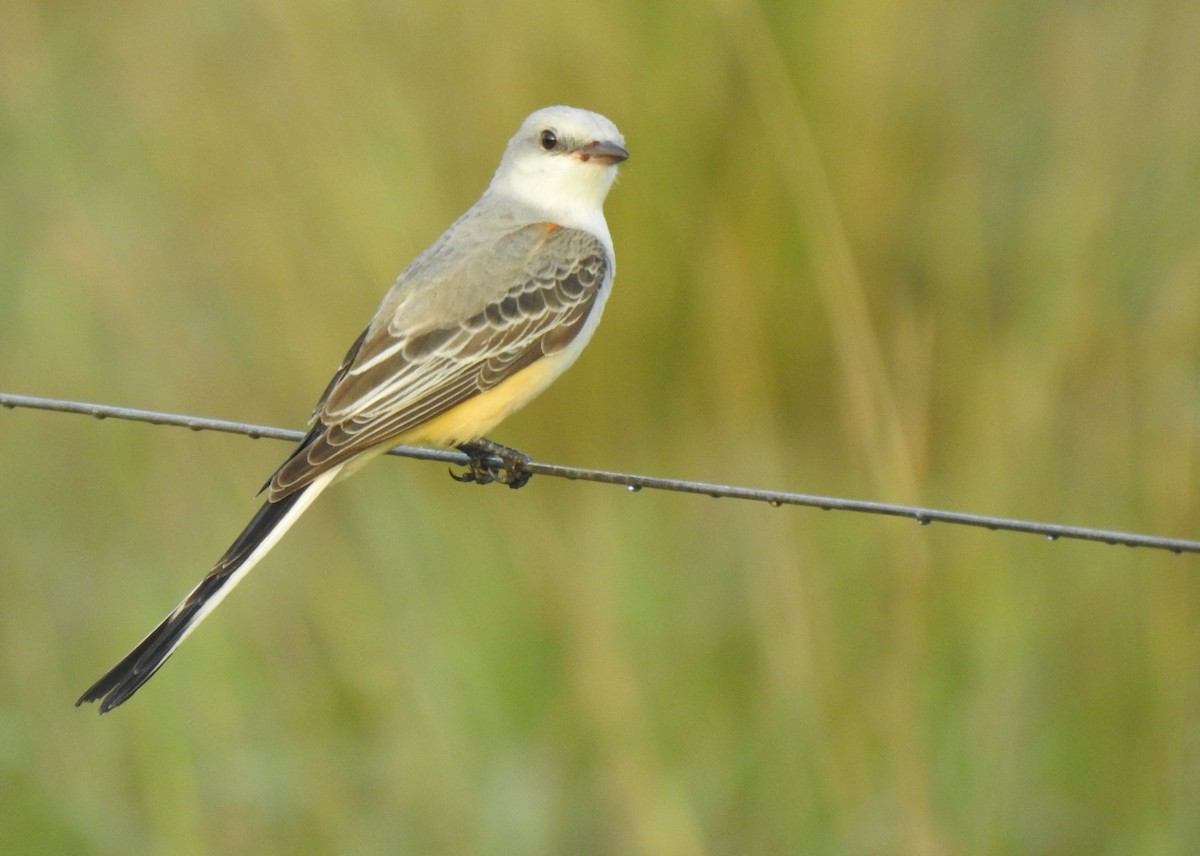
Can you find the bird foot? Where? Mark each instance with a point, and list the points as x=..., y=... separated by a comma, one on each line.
x=483, y=469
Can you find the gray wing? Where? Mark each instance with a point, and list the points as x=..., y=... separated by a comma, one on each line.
x=395, y=378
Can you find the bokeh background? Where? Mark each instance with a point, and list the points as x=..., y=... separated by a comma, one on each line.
x=921, y=251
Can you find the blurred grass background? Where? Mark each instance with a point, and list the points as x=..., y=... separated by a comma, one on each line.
x=921, y=251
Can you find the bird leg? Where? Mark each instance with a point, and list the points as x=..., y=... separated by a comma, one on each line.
x=482, y=469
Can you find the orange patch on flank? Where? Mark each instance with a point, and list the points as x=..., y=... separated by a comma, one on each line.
x=550, y=227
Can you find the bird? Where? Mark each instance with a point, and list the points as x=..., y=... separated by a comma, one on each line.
x=473, y=328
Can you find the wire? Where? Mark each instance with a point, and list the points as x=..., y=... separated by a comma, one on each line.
x=924, y=516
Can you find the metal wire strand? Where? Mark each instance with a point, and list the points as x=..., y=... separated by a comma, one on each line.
x=924, y=516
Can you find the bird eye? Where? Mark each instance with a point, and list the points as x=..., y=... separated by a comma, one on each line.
x=548, y=140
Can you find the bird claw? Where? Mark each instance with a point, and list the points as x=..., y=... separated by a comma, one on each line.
x=482, y=469
x=471, y=476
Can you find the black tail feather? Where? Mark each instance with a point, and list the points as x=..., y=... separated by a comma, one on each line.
x=137, y=667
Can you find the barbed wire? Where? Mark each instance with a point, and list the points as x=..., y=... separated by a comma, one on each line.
x=924, y=516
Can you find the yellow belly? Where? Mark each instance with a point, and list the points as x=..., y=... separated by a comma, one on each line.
x=478, y=415
x=475, y=417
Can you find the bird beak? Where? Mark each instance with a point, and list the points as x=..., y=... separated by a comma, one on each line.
x=605, y=152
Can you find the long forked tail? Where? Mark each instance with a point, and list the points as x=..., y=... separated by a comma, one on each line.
x=260, y=535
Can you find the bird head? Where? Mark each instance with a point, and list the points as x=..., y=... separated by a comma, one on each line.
x=562, y=159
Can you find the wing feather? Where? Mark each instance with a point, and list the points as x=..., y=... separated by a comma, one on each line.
x=395, y=378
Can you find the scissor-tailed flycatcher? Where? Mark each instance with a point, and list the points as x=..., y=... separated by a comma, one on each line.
x=480, y=322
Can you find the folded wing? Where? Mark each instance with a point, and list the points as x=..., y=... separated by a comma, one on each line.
x=392, y=382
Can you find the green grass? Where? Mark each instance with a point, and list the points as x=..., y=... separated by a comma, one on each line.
x=940, y=253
